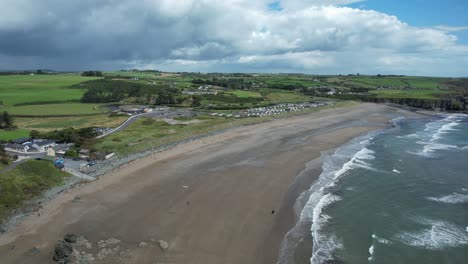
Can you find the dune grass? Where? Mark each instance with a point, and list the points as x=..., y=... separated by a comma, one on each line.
x=25, y=182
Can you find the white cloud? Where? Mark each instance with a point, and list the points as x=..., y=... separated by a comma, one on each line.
x=210, y=35
x=450, y=28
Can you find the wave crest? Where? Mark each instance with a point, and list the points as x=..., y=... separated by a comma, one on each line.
x=454, y=198
x=439, y=235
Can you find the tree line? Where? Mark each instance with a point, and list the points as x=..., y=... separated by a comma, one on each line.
x=107, y=91
x=92, y=74
x=68, y=135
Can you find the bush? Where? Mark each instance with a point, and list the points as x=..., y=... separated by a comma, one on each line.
x=71, y=153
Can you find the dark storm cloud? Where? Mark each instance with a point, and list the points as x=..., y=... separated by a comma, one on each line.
x=214, y=35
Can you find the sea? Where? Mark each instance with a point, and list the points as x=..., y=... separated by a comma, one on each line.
x=398, y=195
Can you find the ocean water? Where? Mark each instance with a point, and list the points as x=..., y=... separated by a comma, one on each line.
x=393, y=196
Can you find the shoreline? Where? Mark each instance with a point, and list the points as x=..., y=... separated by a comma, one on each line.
x=277, y=196
x=114, y=164
x=297, y=244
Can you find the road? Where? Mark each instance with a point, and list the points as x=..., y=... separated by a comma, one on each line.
x=156, y=114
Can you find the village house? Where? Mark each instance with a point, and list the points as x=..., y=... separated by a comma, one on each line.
x=200, y=92
x=42, y=145
x=22, y=140
x=29, y=145
x=16, y=147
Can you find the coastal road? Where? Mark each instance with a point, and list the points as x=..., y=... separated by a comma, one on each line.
x=155, y=114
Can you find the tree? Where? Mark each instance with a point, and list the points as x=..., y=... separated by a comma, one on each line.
x=3, y=156
x=196, y=101
x=6, y=120
x=35, y=134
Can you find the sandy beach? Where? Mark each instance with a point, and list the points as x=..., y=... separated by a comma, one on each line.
x=227, y=198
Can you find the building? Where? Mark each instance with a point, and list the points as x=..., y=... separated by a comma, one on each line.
x=30, y=145
x=200, y=92
x=50, y=152
x=42, y=145
x=14, y=147
x=22, y=140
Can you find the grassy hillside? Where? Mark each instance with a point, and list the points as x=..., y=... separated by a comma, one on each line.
x=27, y=181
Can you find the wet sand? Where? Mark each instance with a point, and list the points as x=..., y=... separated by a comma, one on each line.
x=212, y=200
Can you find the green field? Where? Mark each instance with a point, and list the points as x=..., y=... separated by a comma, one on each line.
x=245, y=94
x=56, y=109
x=415, y=94
x=19, y=89
x=25, y=182
x=286, y=97
x=55, y=123
x=393, y=82
x=6, y=135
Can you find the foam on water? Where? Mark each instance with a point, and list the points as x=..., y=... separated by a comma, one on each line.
x=324, y=243
x=381, y=240
x=433, y=133
x=371, y=253
x=396, y=171
x=357, y=161
x=454, y=198
x=437, y=235
x=351, y=156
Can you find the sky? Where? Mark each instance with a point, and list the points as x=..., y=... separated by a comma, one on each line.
x=411, y=37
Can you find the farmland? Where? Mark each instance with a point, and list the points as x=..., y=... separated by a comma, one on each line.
x=62, y=109
x=50, y=102
x=37, y=89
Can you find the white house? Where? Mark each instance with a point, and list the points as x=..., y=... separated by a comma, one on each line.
x=43, y=145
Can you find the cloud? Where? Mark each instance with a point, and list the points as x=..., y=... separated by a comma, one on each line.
x=451, y=28
x=210, y=35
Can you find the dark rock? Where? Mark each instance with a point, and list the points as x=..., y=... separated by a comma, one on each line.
x=71, y=238
x=33, y=251
x=2, y=230
x=63, y=251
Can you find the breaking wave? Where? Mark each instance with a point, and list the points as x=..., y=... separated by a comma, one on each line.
x=433, y=134
x=454, y=198
x=353, y=155
x=436, y=236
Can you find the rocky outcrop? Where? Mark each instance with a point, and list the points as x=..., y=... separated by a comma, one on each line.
x=63, y=252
